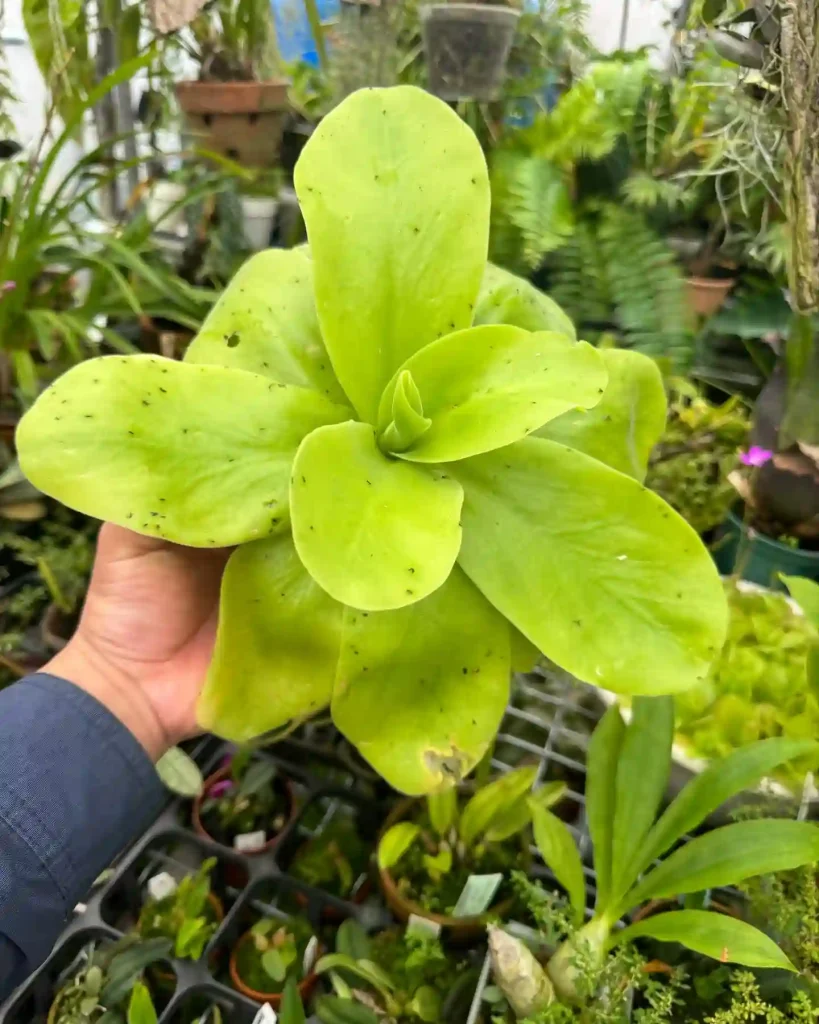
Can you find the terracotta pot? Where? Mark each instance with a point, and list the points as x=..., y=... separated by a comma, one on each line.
x=166, y=980
x=57, y=628
x=458, y=929
x=240, y=120
x=706, y=295
x=219, y=776
x=306, y=985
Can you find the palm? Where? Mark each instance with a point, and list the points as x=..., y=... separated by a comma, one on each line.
x=153, y=606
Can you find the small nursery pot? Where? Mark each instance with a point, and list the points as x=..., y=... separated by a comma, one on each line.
x=706, y=295
x=458, y=929
x=766, y=557
x=57, y=628
x=467, y=47
x=306, y=985
x=166, y=980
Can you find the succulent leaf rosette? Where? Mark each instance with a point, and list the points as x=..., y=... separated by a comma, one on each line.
x=426, y=476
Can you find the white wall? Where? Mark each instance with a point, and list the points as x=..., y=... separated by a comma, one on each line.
x=646, y=24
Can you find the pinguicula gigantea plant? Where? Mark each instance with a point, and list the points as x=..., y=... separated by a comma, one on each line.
x=394, y=435
x=627, y=774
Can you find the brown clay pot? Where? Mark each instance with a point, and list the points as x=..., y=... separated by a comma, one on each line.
x=306, y=985
x=706, y=295
x=457, y=929
x=240, y=120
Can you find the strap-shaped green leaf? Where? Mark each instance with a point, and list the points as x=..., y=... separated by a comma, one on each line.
x=374, y=532
x=395, y=842
x=716, y=935
x=277, y=644
x=291, y=1011
x=442, y=808
x=492, y=800
x=266, y=322
x=628, y=420
x=601, y=779
x=507, y=299
x=421, y=691
x=729, y=855
x=199, y=455
x=559, y=851
x=395, y=195
x=720, y=781
x=602, y=576
x=486, y=387
x=642, y=776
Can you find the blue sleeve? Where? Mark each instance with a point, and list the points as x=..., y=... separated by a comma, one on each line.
x=75, y=788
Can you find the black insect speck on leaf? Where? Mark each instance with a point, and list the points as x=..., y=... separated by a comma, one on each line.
x=232, y=340
x=365, y=614
x=411, y=569
x=410, y=592
x=312, y=527
x=163, y=390
x=161, y=499
x=145, y=401
x=464, y=670
x=88, y=416
x=130, y=515
x=184, y=430
x=600, y=391
x=370, y=482
x=304, y=479
x=274, y=520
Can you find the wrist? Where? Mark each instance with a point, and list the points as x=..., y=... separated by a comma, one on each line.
x=115, y=688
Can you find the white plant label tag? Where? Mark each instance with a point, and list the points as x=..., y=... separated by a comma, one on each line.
x=422, y=927
x=267, y=1015
x=477, y=895
x=161, y=885
x=250, y=842
x=310, y=954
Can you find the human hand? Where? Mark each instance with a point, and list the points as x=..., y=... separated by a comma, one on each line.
x=146, y=634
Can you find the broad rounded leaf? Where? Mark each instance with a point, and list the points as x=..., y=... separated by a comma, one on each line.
x=421, y=691
x=180, y=773
x=277, y=644
x=507, y=299
x=199, y=455
x=628, y=420
x=395, y=195
x=597, y=571
x=524, y=654
x=266, y=322
x=487, y=387
x=374, y=532
x=716, y=935
x=395, y=842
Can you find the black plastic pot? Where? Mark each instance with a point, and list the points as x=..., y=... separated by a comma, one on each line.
x=467, y=47
x=765, y=558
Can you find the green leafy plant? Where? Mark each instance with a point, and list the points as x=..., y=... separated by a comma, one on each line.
x=359, y=420
x=691, y=463
x=108, y=985
x=398, y=976
x=188, y=916
x=433, y=853
x=335, y=859
x=758, y=687
x=272, y=953
x=249, y=800
x=627, y=773
x=233, y=41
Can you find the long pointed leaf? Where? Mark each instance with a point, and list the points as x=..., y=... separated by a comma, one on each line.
x=559, y=851
x=642, y=776
x=716, y=935
x=720, y=781
x=601, y=777
x=729, y=855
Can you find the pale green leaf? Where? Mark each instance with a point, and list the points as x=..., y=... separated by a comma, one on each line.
x=375, y=533
x=395, y=195
x=364, y=969
x=395, y=842
x=333, y=1010
x=716, y=935
x=442, y=808
x=601, y=780
x=404, y=415
x=199, y=455
x=492, y=800
x=140, y=1005
x=628, y=420
x=643, y=768
x=421, y=691
x=510, y=821
x=180, y=773
x=273, y=965
x=276, y=647
x=266, y=322
x=291, y=1011
x=595, y=570
x=486, y=387
x=559, y=851
x=507, y=299
x=719, y=782
x=806, y=594
x=729, y=855
x=352, y=940
x=524, y=653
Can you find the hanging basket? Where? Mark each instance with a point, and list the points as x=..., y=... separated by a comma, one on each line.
x=243, y=121
x=467, y=47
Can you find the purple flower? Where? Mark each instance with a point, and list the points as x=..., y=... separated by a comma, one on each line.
x=755, y=456
x=220, y=788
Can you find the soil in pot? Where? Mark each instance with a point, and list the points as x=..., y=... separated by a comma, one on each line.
x=335, y=859
x=270, y=953
x=762, y=557
x=467, y=47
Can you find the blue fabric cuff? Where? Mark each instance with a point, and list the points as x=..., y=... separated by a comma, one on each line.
x=76, y=787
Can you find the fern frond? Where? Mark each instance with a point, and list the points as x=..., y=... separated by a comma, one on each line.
x=645, y=192
x=579, y=280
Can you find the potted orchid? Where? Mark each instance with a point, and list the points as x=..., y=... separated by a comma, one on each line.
x=424, y=474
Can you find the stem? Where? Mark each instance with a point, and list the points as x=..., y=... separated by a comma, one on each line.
x=50, y=580
x=580, y=953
